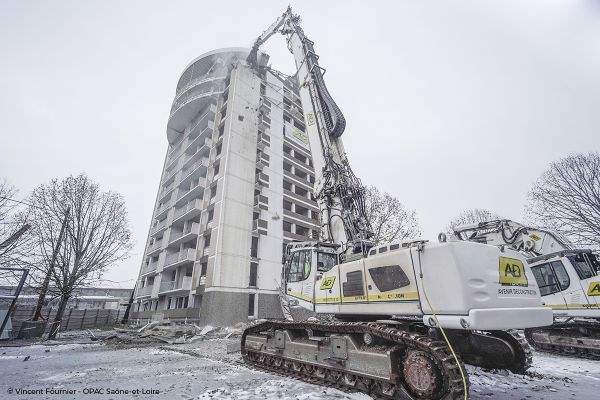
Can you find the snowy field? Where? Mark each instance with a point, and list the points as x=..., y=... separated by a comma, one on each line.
x=203, y=370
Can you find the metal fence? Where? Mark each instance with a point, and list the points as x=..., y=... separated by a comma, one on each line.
x=73, y=319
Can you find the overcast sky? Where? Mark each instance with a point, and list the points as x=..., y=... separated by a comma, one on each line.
x=450, y=104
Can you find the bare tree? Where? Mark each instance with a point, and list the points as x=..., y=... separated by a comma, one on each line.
x=566, y=199
x=96, y=234
x=15, y=241
x=389, y=218
x=471, y=216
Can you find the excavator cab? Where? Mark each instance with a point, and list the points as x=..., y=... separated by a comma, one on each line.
x=568, y=281
x=304, y=265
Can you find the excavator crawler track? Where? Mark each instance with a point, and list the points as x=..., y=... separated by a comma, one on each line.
x=419, y=367
x=523, y=356
x=576, y=339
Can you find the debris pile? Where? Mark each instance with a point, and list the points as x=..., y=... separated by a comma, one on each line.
x=172, y=333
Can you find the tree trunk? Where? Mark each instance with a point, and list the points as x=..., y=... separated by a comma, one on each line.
x=58, y=317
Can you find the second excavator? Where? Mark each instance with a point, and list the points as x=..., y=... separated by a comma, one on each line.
x=568, y=279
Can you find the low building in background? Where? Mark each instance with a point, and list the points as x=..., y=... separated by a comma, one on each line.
x=83, y=298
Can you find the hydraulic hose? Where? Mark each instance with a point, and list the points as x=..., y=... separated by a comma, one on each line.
x=334, y=119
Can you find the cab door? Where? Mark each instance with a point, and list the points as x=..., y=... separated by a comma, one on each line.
x=298, y=273
x=574, y=294
x=550, y=285
x=308, y=276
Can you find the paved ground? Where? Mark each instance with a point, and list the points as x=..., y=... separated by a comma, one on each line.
x=203, y=370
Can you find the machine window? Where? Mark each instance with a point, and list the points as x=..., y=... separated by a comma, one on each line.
x=545, y=279
x=389, y=277
x=294, y=269
x=561, y=274
x=306, y=264
x=325, y=261
x=582, y=266
x=593, y=259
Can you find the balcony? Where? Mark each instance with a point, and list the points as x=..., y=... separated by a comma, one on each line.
x=166, y=286
x=194, y=170
x=263, y=141
x=155, y=248
x=194, y=192
x=180, y=258
x=263, y=125
x=201, y=140
x=150, y=268
x=174, y=286
x=302, y=217
x=261, y=202
x=262, y=179
x=207, y=226
x=145, y=291
x=294, y=112
x=160, y=227
x=190, y=103
x=198, y=81
x=259, y=226
x=187, y=234
x=169, y=176
x=264, y=106
x=166, y=191
x=162, y=210
x=189, y=211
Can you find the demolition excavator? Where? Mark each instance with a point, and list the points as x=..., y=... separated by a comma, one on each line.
x=568, y=279
x=407, y=313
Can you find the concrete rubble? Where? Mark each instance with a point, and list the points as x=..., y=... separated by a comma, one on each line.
x=173, y=333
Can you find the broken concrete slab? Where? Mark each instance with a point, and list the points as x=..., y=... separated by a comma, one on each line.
x=234, y=347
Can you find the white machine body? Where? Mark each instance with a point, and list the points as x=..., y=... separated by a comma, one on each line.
x=466, y=285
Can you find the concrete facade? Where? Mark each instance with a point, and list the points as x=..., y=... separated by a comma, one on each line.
x=236, y=185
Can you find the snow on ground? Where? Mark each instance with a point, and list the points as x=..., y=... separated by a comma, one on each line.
x=203, y=370
x=280, y=389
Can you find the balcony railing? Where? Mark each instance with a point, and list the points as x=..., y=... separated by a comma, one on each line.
x=163, y=208
x=259, y=223
x=166, y=286
x=208, y=225
x=194, y=204
x=185, y=284
x=215, y=88
x=197, y=188
x=189, y=170
x=260, y=199
x=167, y=190
x=194, y=228
x=197, y=81
x=162, y=224
x=171, y=174
x=145, y=291
x=183, y=255
x=261, y=178
x=156, y=246
x=149, y=268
